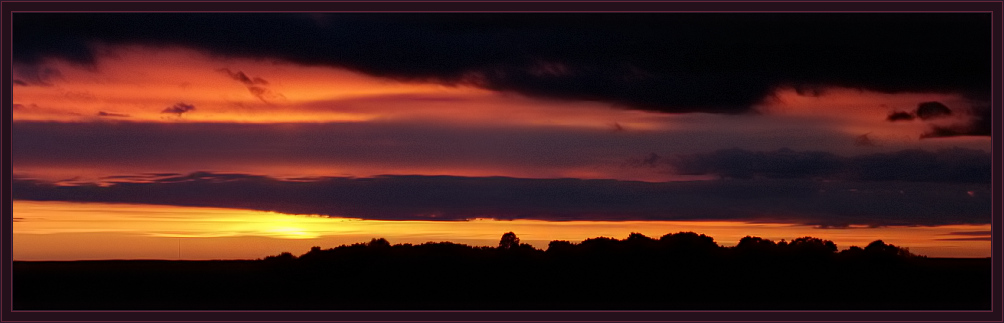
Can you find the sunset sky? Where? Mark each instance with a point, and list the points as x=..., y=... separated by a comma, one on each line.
x=240, y=136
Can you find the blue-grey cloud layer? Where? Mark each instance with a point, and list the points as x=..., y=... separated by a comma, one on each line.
x=458, y=198
x=947, y=165
x=698, y=147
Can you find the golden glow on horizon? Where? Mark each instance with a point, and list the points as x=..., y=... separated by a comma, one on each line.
x=67, y=231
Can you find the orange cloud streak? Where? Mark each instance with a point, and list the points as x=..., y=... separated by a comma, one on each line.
x=138, y=83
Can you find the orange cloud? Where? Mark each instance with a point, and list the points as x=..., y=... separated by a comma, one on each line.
x=858, y=112
x=142, y=82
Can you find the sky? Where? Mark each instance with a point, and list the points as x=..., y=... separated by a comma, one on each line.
x=829, y=125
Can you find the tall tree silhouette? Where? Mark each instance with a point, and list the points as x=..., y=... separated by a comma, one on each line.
x=509, y=241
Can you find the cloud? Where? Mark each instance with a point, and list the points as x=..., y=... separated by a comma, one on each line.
x=109, y=114
x=971, y=233
x=976, y=120
x=966, y=239
x=930, y=110
x=946, y=165
x=979, y=123
x=653, y=61
x=652, y=160
x=264, y=94
x=255, y=85
x=243, y=78
x=179, y=108
x=864, y=141
x=900, y=116
x=420, y=147
x=35, y=108
x=458, y=198
x=968, y=236
x=35, y=75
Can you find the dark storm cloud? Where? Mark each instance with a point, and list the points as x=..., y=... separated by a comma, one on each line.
x=720, y=63
x=458, y=198
x=947, y=165
x=178, y=108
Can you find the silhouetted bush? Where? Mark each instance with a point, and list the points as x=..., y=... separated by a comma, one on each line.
x=285, y=256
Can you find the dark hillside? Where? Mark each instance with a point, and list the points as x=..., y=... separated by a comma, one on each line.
x=676, y=271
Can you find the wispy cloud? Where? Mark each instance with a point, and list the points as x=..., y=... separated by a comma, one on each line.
x=179, y=109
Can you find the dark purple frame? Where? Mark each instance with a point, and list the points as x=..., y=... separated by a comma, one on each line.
x=996, y=8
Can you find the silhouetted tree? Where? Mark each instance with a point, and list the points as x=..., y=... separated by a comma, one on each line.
x=755, y=243
x=378, y=243
x=598, y=244
x=638, y=237
x=560, y=246
x=639, y=242
x=812, y=245
x=688, y=240
x=509, y=241
x=853, y=251
x=880, y=248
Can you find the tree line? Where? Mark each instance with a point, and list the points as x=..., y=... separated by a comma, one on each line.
x=677, y=244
